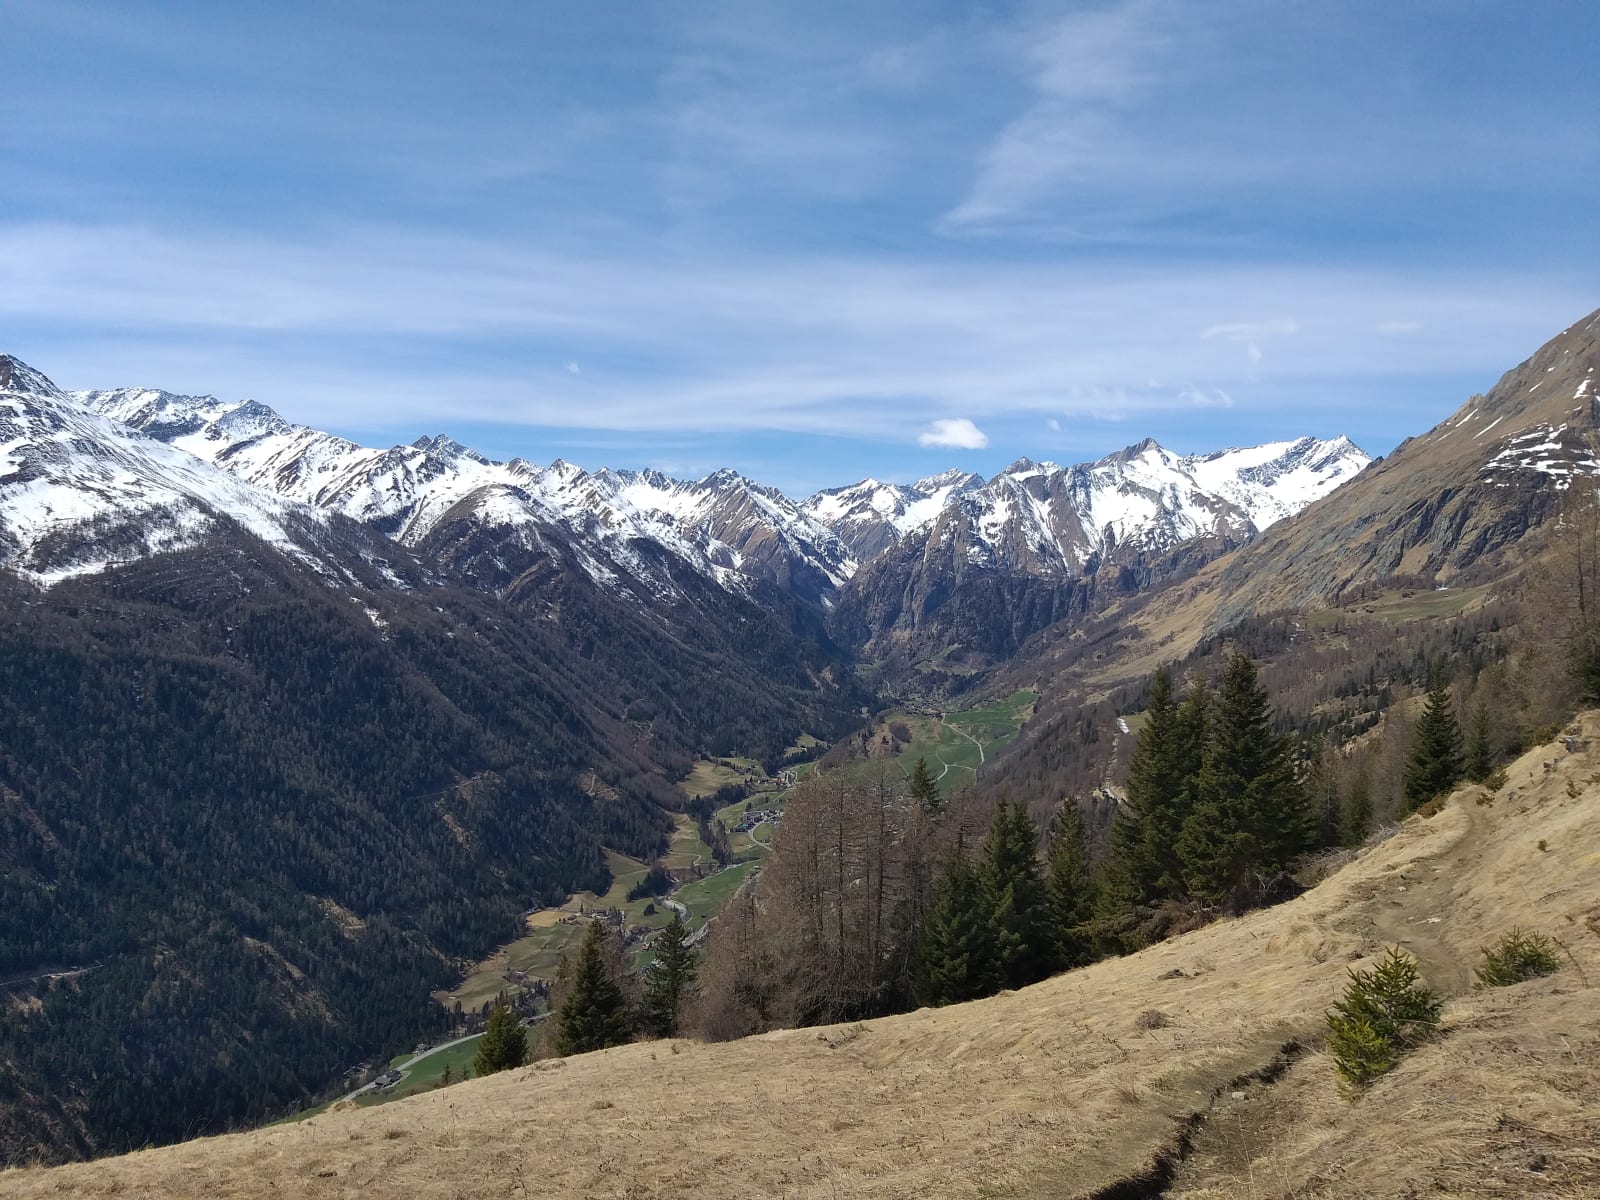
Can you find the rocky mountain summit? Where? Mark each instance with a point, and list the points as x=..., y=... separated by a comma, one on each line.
x=1041, y=542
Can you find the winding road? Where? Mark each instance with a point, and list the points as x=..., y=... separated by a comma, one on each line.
x=408, y=1064
x=965, y=734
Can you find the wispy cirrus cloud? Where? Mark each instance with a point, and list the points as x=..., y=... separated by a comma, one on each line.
x=1083, y=69
x=370, y=324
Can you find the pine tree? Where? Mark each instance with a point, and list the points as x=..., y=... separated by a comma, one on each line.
x=1251, y=816
x=1435, y=765
x=444, y=1079
x=1072, y=898
x=1024, y=937
x=503, y=1044
x=1480, y=753
x=925, y=789
x=595, y=1013
x=1385, y=1011
x=956, y=952
x=669, y=980
x=1132, y=871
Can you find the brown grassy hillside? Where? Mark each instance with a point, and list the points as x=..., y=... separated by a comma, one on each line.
x=1064, y=1088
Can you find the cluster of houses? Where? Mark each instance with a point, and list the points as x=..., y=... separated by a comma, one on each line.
x=758, y=816
x=611, y=916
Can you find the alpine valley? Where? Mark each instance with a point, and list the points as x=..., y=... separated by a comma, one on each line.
x=295, y=733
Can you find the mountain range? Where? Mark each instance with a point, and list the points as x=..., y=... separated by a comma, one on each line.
x=83, y=479
x=293, y=728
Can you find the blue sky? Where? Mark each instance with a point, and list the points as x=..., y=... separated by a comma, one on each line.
x=811, y=241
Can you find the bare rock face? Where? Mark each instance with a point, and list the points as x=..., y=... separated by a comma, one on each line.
x=1040, y=543
x=1443, y=504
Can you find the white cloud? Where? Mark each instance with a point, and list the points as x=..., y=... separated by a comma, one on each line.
x=1082, y=69
x=1053, y=425
x=574, y=369
x=671, y=339
x=1205, y=397
x=1250, y=331
x=1393, y=327
x=956, y=432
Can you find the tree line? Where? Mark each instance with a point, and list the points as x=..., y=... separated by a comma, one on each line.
x=881, y=894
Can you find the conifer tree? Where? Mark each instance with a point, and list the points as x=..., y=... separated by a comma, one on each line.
x=503, y=1044
x=1132, y=874
x=1322, y=794
x=1356, y=822
x=925, y=789
x=669, y=980
x=595, y=1013
x=1019, y=900
x=1251, y=816
x=1385, y=1012
x=956, y=956
x=1071, y=887
x=1435, y=765
x=1194, y=735
x=1480, y=754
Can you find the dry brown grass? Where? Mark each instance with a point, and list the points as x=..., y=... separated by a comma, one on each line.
x=1054, y=1090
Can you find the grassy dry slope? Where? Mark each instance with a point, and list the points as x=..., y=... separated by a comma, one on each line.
x=1057, y=1090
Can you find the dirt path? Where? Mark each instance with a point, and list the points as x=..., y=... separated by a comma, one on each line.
x=1416, y=912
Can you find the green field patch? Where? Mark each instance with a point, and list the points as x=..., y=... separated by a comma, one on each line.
x=954, y=744
x=427, y=1074
x=704, y=898
x=710, y=774
x=686, y=849
x=1398, y=607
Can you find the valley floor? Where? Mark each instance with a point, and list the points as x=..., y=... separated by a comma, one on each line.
x=1066, y=1088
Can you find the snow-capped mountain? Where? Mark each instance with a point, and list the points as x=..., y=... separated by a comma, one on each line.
x=871, y=515
x=1046, y=518
x=730, y=529
x=1039, y=542
x=80, y=491
x=136, y=471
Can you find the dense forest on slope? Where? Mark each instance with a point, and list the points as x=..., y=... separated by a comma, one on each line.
x=271, y=816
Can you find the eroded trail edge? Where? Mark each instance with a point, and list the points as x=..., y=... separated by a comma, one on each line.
x=1154, y=1180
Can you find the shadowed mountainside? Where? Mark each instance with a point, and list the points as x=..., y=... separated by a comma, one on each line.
x=1067, y=1088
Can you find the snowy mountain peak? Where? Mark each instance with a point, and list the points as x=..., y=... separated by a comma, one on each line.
x=872, y=515
x=725, y=526
x=955, y=478
x=1042, y=517
x=80, y=490
x=19, y=379
x=1033, y=516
